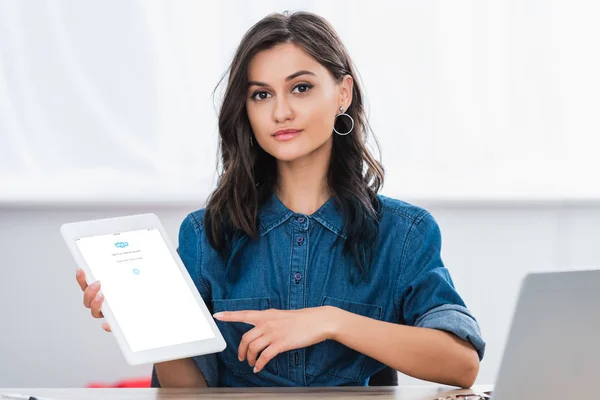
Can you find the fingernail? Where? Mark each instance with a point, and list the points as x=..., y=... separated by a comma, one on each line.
x=240, y=358
x=254, y=370
x=217, y=315
x=99, y=297
x=96, y=284
x=78, y=272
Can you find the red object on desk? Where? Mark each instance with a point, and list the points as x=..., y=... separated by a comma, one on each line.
x=127, y=383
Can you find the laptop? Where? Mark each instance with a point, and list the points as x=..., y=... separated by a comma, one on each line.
x=553, y=348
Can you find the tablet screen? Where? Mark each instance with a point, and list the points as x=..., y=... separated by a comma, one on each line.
x=145, y=289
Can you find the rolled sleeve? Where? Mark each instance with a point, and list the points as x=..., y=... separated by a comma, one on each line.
x=457, y=320
x=426, y=295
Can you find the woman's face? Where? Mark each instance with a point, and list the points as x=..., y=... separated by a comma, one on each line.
x=292, y=101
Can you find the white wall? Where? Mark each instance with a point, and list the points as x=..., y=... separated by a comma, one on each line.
x=477, y=99
x=49, y=339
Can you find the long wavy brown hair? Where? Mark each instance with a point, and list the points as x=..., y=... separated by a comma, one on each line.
x=247, y=174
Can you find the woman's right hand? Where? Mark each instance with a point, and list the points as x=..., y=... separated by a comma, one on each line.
x=92, y=297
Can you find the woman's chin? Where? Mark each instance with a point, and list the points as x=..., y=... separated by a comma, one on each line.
x=290, y=154
x=294, y=151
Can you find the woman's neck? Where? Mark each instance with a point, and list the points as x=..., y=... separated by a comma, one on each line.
x=302, y=184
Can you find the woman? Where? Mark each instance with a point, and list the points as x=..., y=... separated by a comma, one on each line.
x=314, y=278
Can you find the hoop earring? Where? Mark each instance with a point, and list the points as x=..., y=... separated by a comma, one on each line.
x=342, y=113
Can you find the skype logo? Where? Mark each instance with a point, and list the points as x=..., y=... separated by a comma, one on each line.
x=122, y=244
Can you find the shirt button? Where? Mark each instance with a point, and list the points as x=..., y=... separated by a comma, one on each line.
x=298, y=276
x=300, y=240
x=301, y=220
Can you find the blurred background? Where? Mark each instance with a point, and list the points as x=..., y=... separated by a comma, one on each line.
x=486, y=113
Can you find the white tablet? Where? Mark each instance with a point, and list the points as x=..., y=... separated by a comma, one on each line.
x=150, y=300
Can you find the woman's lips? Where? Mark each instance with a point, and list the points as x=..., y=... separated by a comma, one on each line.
x=287, y=134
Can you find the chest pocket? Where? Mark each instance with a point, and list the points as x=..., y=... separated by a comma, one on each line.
x=232, y=333
x=335, y=359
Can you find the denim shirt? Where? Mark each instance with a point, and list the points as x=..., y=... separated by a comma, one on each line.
x=291, y=265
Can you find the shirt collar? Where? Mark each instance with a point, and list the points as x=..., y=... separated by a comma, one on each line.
x=273, y=213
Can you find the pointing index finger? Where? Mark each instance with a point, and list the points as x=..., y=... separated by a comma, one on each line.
x=246, y=316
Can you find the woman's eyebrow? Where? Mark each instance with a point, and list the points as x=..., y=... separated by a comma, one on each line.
x=289, y=78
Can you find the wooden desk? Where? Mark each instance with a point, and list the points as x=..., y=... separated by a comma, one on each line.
x=313, y=393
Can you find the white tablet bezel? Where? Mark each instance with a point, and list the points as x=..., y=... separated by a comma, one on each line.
x=76, y=230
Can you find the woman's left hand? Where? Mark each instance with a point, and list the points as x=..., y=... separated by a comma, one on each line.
x=276, y=331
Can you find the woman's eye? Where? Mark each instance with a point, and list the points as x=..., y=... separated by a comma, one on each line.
x=302, y=88
x=260, y=95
